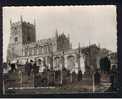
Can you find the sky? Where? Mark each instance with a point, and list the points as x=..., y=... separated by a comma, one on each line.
x=84, y=24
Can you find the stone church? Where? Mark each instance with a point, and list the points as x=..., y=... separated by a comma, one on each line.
x=56, y=51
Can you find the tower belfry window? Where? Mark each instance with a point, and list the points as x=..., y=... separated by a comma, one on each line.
x=16, y=39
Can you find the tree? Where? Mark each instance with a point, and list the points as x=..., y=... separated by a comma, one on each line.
x=105, y=64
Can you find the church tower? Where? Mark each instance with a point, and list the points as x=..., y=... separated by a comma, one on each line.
x=20, y=33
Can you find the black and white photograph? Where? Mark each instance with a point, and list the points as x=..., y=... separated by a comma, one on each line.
x=59, y=49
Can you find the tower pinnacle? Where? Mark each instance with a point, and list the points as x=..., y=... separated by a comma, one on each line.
x=10, y=21
x=21, y=19
x=56, y=33
x=34, y=22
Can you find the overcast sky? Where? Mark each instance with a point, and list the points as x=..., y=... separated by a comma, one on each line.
x=96, y=24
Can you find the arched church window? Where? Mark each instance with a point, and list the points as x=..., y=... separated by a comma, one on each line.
x=32, y=51
x=23, y=52
x=71, y=62
x=45, y=49
x=56, y=63
x=40, y=50
x=26, y=52
x=37, y=51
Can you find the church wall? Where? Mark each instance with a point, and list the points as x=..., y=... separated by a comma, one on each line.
x=26, y=46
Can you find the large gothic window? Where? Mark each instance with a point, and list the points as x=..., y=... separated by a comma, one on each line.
x=71, y=62
x=40, y=50
x=56, y=63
